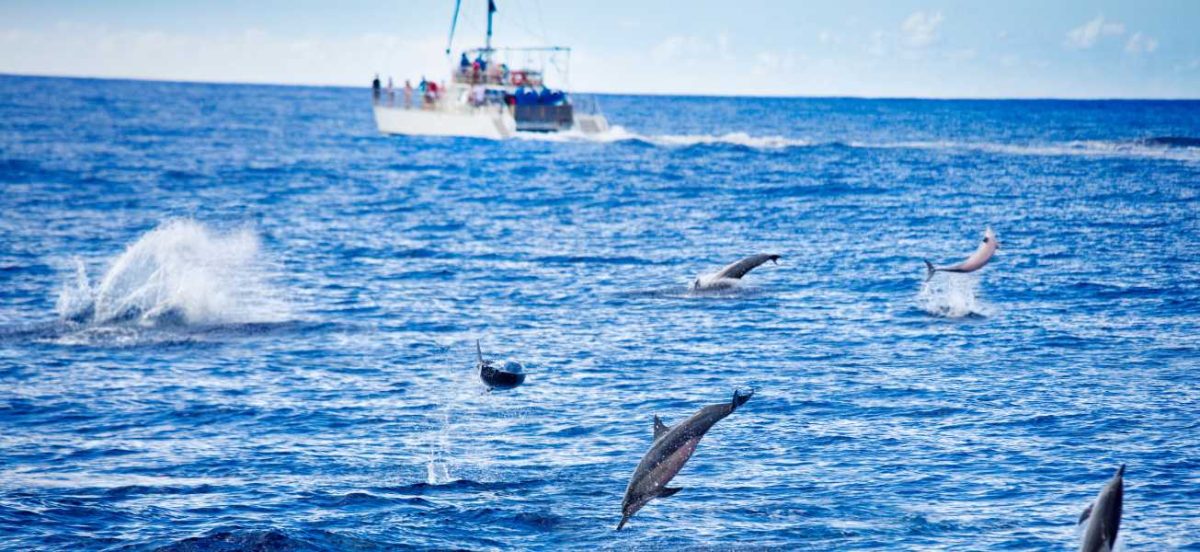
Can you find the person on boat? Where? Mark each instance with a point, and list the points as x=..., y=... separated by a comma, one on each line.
x=423, y=90
x=503, y=73
x=408, y=90
x=391, y=92
x=482, y=64
x=431, y=93
x=375, y=88
x=464, y=64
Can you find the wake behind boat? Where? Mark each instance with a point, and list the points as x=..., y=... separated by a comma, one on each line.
x=492, y=93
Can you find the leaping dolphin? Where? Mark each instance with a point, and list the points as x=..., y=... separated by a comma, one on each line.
x=671, y=449
x=506, y=375
x=1103, y=516
x=724, y=278
x=980, y=257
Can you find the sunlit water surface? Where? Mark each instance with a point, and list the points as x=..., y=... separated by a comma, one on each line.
x=236, y=317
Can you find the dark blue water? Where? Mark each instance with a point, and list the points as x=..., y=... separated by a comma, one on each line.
x=235, y=317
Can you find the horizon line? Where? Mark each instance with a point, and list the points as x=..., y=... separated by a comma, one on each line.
x=651, y=94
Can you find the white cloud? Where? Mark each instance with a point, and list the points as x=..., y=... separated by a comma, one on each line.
x=773, y=63
x=670, y=48
x=691, y=49
x=877, y=46
x=247, y=56
x=962, y=55
x=921, y=29
x=723, y=46
x=1086, y=35
x=629, y=23
x=1139, y=43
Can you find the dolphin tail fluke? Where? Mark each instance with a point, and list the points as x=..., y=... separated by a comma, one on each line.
x=478, y=351
x=740, y=398
x=622, y=524
x=929, y=270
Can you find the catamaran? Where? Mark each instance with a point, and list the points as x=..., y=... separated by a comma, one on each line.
x=491, y=93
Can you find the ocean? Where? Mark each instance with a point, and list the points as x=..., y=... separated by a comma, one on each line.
x=235, y=317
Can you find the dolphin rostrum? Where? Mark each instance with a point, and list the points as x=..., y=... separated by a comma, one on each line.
x=734, y=271
x=1103, y=516
x=980, y=257
x=671, y=449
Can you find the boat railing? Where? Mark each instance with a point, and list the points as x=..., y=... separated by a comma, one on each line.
x=410, y=98
x=468, y=75
x=438, y=103
x=405, y=99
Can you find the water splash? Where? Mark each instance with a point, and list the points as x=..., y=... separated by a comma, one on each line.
x=1165, y=148
x=75, y=296
x=616, y=133
x=713, y=283
x=181, y=272
x=951, y=295
x=437, y=468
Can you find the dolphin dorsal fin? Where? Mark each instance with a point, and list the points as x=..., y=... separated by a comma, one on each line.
x=659, y=427
x=479, y=351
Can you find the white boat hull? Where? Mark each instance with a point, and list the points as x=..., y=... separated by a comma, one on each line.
x=591, y=124
x=492, y=123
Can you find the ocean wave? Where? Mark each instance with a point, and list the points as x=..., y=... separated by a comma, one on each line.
x=181, y=273
x=1174, y=148
x=271, y=539
x=617, y=133
x=1172, y=141
x=1074, y=148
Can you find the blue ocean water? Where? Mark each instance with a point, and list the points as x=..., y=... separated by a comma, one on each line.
x=235, y=317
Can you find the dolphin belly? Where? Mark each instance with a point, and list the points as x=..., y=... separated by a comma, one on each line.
x=670, y=466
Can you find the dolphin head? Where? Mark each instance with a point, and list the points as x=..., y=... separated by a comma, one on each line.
x=632, y=503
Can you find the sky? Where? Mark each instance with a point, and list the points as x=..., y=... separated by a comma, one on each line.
x=871, y=48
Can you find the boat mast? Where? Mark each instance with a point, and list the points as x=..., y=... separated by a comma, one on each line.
x=488, y=44
x=453, y=23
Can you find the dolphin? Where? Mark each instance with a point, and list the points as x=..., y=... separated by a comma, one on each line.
x=507, y=375
x=980, y=257
x=735, y=271
x=1103, y=516
x=671, y=449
